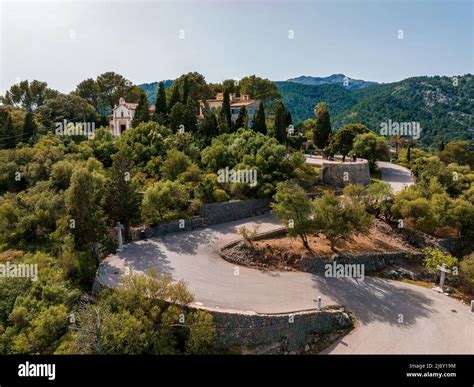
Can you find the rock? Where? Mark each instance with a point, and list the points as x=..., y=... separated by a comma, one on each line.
x=306, y=348
x=392, y=274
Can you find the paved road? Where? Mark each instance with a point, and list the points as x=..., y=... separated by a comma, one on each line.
x=397, y=176
x=392, y=317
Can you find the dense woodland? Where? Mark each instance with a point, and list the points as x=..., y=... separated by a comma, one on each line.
x=62, y=194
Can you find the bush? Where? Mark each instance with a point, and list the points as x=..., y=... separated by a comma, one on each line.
x=467, y=269
x=435, y=258
x=220, y=195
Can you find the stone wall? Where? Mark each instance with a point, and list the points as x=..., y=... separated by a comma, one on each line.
x=277, y=333
x=209, y=214
x=338, y=174
x=216, y=213
x=372, y=262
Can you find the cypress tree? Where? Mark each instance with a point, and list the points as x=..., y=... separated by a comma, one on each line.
x=161, y=111
x=226, y=108
x=242, y=118
x=185, y=89
x=280, y=123
x=322, y=129
x=209, y=126
x=142, y=112
x=175, y=97
x=259, y=124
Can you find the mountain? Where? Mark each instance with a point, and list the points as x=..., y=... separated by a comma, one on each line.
x=300, y=99
x=443, y=106
x=152, y=88
x=335, y=79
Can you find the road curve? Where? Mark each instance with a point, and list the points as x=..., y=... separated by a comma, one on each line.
x=392, y=317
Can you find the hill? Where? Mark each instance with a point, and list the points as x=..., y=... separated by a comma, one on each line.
x=152, y=88
x=334, y=79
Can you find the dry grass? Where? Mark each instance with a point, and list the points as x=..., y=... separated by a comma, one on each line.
x=372, y=242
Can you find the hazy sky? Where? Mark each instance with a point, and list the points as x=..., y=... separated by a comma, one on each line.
x=65, y=42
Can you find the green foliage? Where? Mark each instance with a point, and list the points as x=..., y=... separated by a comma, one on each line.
x=434, y=258
x=339, y=217
x=259, y=124
x=161, y=110
x=322, y=127
x=28, y=96
x=241, y=121
x=293, y=209
x=144, y=315
x=342, y=142
x=175, y=164
x=371, y=147
x=467, y=269
x=182, y=114
x=457, y=152
x=122, y=197
x=280, y=126
x=83, y=205
x=142, y=112
x=260, y=89
x=164, y=200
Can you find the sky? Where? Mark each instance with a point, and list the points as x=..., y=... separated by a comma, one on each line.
x=65, y=42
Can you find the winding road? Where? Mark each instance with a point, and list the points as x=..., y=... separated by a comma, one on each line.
x=392, y=317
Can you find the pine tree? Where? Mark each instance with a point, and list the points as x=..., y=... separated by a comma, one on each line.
x=29, y=127
x=161, y=111
x=322, y=129
x=242, y=118
x=175, y=97
x=142, y=112
x=280, y=123
x=259, y=124
x=226, y=109
x=123, y=199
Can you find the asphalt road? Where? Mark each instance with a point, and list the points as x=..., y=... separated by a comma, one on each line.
x=392, y=317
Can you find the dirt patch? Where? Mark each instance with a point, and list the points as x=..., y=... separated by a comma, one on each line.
x=285, y=253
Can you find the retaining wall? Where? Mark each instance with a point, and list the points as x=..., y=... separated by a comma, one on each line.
x=277, y=333
x=341, y=174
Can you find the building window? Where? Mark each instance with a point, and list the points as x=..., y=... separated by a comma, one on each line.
x=122, y=113
x=234, y=111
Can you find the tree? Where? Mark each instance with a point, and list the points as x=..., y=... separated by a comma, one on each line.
x=209, y=125
x=164, y=200
x=145, y=315
x=176, y=163
x=185, y=89
x=28, y=96
x=8, y=136
x=461, y=216
x=434, y=258
x=322, y=129
x=142, y=112
x=123, y=199
x=338, y=218
x=457, y=152
x=90, y=91
x=371, y=147
x=242, y=118
x=467, y=269
x=293, y=209
x=111, y=87
x=259, y=124
x=29, y=127
x=83, y=205
x=280, y=123
x=343, y=140
x=175, y=97
x=182, y=115
x=225, y=112
x=259, y=89
x=161, y=110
